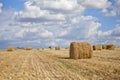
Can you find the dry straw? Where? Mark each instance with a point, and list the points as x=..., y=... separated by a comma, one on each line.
x=97, y=47
x=109, y=46
x=10, y=48
x=80, y=50
x=57, y=48
x=104, y=46
x=28, y=48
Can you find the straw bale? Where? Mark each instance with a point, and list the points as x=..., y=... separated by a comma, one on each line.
x=80, y=50
x=57, y=48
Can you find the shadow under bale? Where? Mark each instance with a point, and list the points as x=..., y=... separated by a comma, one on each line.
x=80, y=50
x=63, y=57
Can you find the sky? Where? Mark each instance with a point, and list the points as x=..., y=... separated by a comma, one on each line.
x=43, y=23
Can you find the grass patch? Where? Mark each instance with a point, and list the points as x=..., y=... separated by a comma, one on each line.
x=116, y=71
x=69, y=66
x=86, y=72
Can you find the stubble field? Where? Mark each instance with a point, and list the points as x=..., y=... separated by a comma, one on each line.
x=50, y=64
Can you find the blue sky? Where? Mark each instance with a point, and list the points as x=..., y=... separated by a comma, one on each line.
x=15, y=4
x=43, y=23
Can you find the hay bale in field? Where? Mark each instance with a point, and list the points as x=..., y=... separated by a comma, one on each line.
x=37, y=48
x=28, y=48
x=97, y=47
x=10, y=48
x=109, y=46
x=57, y=48
x=80, y=50
x=104, y=46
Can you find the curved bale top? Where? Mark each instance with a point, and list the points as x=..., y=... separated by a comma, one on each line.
x=28, y=48
x=80, y=50
x=10, y=48
x=57, y=48
x=109, y=46
x=97, y=47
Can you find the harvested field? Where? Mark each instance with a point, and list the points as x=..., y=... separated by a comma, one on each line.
x=55, y=65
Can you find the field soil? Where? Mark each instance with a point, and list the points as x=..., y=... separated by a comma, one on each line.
x=50, y=64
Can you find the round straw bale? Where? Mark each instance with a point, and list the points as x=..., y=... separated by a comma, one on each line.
x=10, y=48
x=110, y=46
x=104, y=46
x=97, y=47
x=28, y=48
x=80, y=50
x=57, y=48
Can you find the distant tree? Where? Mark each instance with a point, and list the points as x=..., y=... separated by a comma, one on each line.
x=50, y=47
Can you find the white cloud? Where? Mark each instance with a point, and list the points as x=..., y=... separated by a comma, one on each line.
x=117, y=7
x=31, y=12
x=116, y=31
x=107, y=7
x=100, y=4
x=67, y=6
x=110, y=36
x=101, y=34
x=118, y=20
x=20, y=34
x=81, y=28
x=109, y=13
x=49, y=33
x=33, y=33
x=113, y=10
x=61, y=4
x=55, y=22
x=1, y=5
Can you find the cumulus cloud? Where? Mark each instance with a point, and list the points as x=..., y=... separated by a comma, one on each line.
x=100, y=4
x=118, y=20
x=117, y=7
x=18, y=32
x=85, y=27
x=107, y=7
x=110, y=36
x=45, y=23
x=68, y=6
x=56, y=5
x=1, y=7
x=109, y=13
x=113, y=10
x=31, y=13
x=116, y=31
